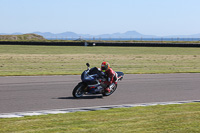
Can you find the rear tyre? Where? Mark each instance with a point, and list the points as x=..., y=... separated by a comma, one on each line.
x=111, y=91
x=79, y=90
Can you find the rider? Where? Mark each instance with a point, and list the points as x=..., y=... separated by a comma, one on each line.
x=111, y=76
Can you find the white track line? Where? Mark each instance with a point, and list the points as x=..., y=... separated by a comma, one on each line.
x=70, y=110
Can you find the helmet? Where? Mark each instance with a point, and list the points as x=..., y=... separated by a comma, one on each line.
x=105, y=66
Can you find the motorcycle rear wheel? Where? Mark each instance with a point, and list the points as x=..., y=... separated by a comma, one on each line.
x=79, y=90
x=111, y=92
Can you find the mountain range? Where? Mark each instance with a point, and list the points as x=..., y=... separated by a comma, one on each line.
x=128, y=34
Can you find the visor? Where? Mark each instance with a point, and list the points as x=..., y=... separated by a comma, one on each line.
x=103, y=68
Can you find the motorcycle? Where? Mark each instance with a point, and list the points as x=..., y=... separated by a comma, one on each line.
x=92, y=83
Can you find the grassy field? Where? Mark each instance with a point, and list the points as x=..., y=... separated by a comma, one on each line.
x=184, y=118
x=60, y=60
x=55, y=60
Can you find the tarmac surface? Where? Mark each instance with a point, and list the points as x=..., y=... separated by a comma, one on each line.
x=32, y=93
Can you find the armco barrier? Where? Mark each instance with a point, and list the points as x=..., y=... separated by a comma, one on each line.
x=43, y=43
x=120, y=44
x=145, y=44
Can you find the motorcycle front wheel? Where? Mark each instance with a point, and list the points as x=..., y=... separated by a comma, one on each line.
x=79, y=90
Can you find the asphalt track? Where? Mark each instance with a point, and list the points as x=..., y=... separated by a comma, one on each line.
x=33, y=93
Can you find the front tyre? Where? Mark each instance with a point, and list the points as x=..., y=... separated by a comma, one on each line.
x=78, y=90
x=111, y=91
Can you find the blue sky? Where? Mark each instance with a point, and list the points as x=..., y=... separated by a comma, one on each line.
x=151, y=17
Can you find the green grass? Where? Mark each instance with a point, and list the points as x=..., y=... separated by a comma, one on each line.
x=184, y=118
x=61, y=60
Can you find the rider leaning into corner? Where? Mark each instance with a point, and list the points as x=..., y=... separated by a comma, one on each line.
x=111, y=76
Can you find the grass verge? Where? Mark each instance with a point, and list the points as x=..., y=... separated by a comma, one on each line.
x=182, y=118
x=61, y=60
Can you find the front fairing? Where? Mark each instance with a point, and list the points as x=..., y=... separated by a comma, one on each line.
x=84, y=74
x=89, y=79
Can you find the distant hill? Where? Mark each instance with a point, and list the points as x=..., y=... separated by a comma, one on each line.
x=22, y=37
x=128, y=34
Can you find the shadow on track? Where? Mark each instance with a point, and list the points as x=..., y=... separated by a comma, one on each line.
x=84, y=97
